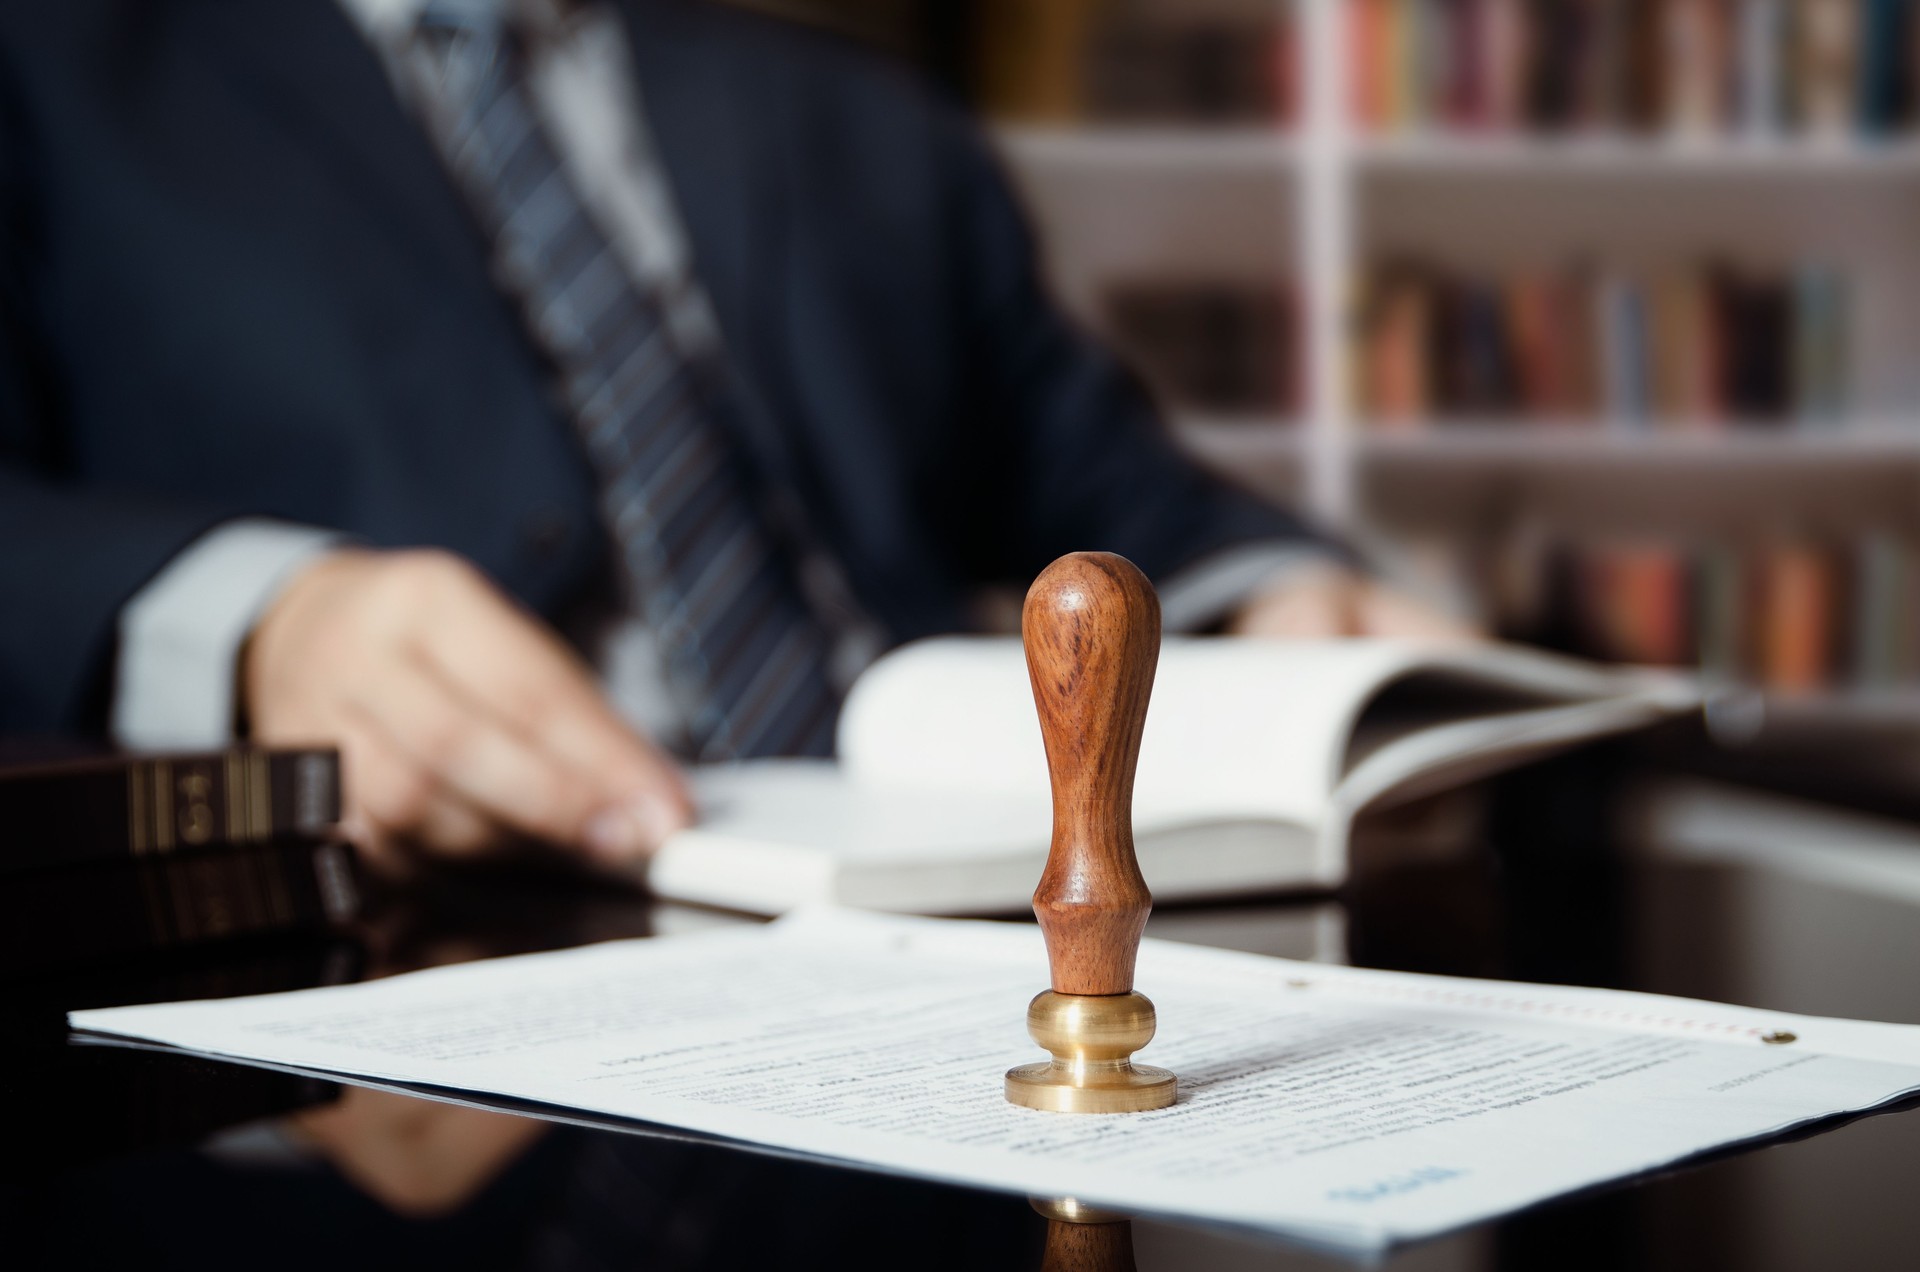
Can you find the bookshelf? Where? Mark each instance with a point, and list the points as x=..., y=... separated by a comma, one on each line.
x=1316, y=201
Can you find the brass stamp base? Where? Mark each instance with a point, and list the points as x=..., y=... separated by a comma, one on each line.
x=1092, y=1039
x=1049, y=1086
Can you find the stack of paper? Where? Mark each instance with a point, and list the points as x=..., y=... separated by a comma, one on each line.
x=1342, y=1106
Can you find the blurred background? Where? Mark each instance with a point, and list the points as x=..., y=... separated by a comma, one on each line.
x=1596, y=316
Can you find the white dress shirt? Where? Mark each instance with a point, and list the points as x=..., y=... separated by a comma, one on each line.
x=181, y=635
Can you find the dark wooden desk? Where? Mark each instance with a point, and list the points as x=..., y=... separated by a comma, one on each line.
x=117, y=1159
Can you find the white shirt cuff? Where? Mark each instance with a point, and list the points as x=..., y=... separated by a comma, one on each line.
x=1212, y=588
x=181, y=634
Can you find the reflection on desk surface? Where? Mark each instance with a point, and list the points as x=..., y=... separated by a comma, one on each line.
x=223, y=1174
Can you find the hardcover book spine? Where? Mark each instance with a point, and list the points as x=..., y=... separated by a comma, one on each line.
x=1723, y=609
x=1828, y=39
x=1642, y=86
x=1880, y=635
x=153, y=807
x=1505, y=40
x=1467, y=105
x=1763, y=42
x=95, y=914
x=1819, y=346
x=1797, y=604
x=1882, y=40
x=1366, y=57
x=1402, y=53
x=1623, y=358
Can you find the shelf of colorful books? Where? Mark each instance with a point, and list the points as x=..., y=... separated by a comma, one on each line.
x=1154, y=151
x=1442, y=155
x=1713, y=68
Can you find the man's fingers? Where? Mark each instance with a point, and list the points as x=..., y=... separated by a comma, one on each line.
x=493, y=654
x=1317, y=604
x=393, y=801
x=1384, y=612
x=460, y=746
x=455, y=827
x=460, y=718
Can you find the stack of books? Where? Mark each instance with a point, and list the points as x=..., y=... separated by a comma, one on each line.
x=1215, y=347
x=1794, y=615
x=1699, y=345
x=109, y=858
x=1071, y=61
x=1192, y=72
x=1682, y=67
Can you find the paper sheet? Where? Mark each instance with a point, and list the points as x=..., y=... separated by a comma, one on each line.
x=1339, y=1105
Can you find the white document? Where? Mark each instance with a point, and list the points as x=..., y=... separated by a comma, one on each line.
x=1341, y=1106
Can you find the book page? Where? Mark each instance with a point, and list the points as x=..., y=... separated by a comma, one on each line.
x=1341, y=1106
x=778, y=834
x=811, y=803
x=1238, y=728
x=1235, y=728
x=1443, y=756
x=774, y=834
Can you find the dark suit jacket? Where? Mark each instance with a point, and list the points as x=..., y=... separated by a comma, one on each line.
x=234, y=280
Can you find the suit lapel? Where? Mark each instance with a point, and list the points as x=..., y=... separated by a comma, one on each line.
x=729, y=185
x=306, y=65
x=695, y=108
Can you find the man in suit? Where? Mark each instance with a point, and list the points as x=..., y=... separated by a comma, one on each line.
x=516, y=391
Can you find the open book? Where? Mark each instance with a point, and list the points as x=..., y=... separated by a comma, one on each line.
x=1256, y=759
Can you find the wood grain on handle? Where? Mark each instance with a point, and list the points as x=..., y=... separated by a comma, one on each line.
x=1088, y=1247
x=1091, y=626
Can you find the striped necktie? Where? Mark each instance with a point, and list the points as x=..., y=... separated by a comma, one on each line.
x=746, y=656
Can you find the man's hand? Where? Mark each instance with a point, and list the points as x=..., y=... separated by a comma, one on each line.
x=460, y=719
x=1329, y=601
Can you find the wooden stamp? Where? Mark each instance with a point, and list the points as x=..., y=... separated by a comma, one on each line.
x=1091, y=626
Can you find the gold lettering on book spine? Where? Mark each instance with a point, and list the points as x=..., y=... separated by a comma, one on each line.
x=196, y=807
x=259, y=797
x=236, y=796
